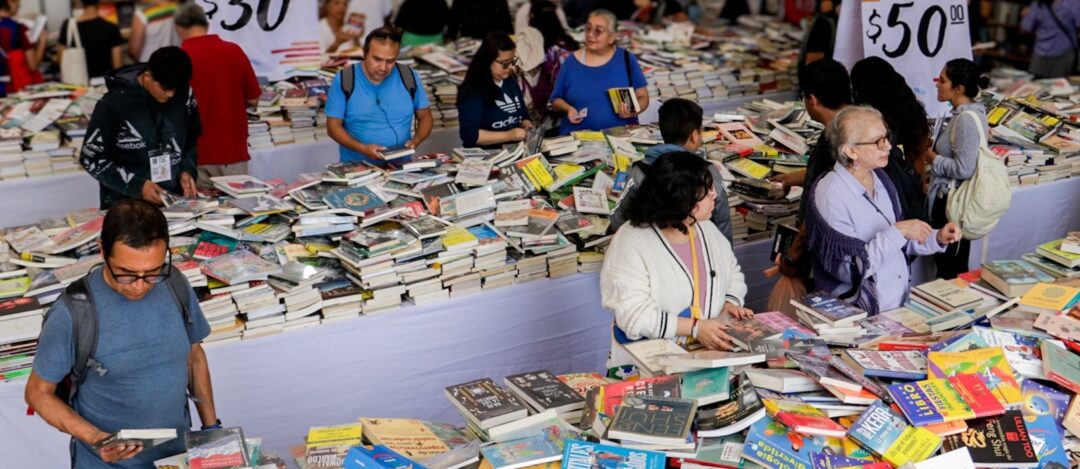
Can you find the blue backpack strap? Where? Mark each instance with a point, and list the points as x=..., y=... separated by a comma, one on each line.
x=622, y=339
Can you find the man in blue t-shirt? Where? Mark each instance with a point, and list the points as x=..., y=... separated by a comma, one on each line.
x=379, y=113
x=145, y=351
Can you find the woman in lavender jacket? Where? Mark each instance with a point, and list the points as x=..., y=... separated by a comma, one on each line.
x=855, y=230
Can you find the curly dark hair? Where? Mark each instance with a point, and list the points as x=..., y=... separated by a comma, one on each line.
x=876, y=83
x=674, y=184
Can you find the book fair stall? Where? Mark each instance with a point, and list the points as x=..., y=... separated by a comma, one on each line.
x=445, y=309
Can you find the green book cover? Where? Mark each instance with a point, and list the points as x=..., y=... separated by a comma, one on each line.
x=707, y=383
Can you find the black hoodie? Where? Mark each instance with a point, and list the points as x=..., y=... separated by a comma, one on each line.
x=127, y=125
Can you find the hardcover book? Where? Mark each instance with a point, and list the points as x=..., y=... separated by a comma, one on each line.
x=542, y=390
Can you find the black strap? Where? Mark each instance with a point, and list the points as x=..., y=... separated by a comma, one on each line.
x=626, y=63
x=348, y=80
x=84, y=332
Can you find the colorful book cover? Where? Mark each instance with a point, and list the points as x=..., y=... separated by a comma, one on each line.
x=642, y=417
x=778, y=321
x=835, y=461
x=770, y=444
x=524, y=452
x=586, y=455
x=915, y=444
x=990, y=363
x=354, y=199
x=1046, y=439
x=1061, y=366
x=612, y=394
x=903, y=364
x=743, y=404
x=1003, y=440
x=582, y=382
x=828, y=308
x=1017, y=272
x=409, y=437
x=1050, y=297
x=802, y=417
x=877, y=428
x=1044, y=400
x=973, y=391
x=706, y=383
x=388, y=458
x=914, y=403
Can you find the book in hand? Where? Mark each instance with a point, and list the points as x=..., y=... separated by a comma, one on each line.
x=396, y=152
x=145, y=437
x=586, y=455
x=542, y=391
x=624, y=95
x=222, y=448
x=1001, y=441
x=653, y=420
x=484, y=404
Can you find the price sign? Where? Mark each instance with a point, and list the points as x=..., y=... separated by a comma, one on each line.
x=279, y=36
x=917, y=37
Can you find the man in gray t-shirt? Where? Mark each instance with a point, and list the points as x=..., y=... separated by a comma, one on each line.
x=143, y=343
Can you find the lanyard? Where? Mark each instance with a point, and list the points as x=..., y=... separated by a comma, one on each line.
x=695, y=305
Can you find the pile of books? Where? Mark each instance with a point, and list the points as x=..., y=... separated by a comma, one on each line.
x=222, y=448
x=905, y=390
x=42, y=127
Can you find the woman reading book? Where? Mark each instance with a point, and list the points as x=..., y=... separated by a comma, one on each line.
x=856, y=232
x=669, y=272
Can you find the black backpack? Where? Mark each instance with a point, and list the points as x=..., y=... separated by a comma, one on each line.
x=84, y=328
x=348, y=80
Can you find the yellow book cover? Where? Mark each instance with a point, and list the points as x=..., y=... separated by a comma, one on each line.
x=1054, y=247
x=589, y=136
x=564, y=171
x=1049, y=296
x=621, y=162
x=767, y=150
x=535, y=169
x=773, y=407
x=457, y=235
x=915, y=444
x=995, y=116
x=349, y=433
x=749, y=168
x=990, y=363
x=946, y=399
x=409, y=437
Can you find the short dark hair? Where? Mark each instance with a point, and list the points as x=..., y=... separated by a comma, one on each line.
x=384, y=33
x=828, y=81
x=171, y=67
x=134, y=222
x=90, y=3
x=965, y=72
x=673, y=186
x=189, y=15
x=678, y=119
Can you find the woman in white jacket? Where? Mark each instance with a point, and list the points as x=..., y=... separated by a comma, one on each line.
x=669, y=273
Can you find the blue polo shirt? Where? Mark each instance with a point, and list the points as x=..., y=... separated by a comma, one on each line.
x=144, y=345
x=376, y=113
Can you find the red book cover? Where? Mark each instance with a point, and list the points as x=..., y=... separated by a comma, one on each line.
x=811, y=424
x=663, y=386
x=973, y=390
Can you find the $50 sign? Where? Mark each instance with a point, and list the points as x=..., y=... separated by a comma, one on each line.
x=917, y=37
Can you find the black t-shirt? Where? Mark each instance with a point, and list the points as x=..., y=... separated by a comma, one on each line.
x=98, y=38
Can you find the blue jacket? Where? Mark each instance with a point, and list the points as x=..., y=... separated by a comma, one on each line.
x=721, y=216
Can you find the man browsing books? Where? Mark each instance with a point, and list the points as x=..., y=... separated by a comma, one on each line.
x=224, y=85
x=141, y=138
x=680, y=126
x=374, y=110
x=147, y=356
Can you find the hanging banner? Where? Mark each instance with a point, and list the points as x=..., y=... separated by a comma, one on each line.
x=279, y=36
x=917, y=37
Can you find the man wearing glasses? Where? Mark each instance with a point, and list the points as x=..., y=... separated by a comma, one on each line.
x=376, y=112
x=147, y=357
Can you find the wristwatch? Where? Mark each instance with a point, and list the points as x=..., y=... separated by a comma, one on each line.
x=215, y=426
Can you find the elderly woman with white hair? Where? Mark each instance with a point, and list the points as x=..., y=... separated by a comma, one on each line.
x=856, y=233
x=581, y=91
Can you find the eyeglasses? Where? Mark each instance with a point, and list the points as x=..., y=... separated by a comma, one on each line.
x=510, y=63
x=596, y=31
x=882, y=142
x=127, y=279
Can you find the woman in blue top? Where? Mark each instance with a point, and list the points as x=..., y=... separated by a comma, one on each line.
x=581, y=91
x=490, y=104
